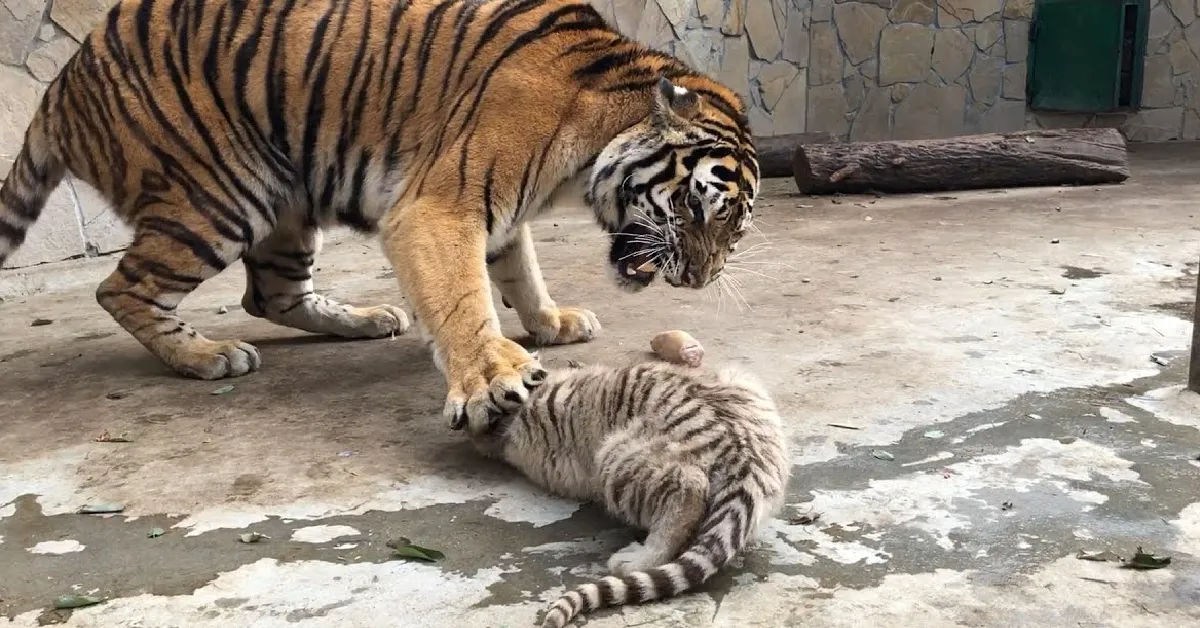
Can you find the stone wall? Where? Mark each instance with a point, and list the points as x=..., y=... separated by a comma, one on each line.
x=36, y=38
x=863, y=69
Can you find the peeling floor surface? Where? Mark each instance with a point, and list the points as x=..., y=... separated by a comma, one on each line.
x=1019, y=353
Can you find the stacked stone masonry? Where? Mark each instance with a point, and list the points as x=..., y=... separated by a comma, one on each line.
x=864, y=70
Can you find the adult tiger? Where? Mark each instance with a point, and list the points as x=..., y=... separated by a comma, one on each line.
x=227, y=129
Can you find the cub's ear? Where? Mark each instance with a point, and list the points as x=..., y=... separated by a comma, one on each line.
x=671, y=99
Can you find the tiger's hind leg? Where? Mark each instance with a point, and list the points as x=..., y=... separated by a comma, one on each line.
x=173, y=251
x=649, y=483
x=279, y=288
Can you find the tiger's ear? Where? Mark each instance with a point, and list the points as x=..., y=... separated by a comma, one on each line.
x=671, y=99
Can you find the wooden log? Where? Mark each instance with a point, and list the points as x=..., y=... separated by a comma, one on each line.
x=1194, y=361
x=776, y=152
x=994, y=160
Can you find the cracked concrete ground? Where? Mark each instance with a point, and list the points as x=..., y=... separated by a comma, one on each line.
x=1018, y=353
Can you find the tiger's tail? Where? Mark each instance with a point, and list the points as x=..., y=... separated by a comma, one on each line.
x=34, y=175
x=719, y=539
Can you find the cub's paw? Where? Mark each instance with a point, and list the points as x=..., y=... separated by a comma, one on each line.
x=566, y=325
x=496, y=383
x=380, y=321
x=634, y=557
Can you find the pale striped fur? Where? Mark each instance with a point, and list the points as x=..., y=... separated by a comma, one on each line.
x=696, y=457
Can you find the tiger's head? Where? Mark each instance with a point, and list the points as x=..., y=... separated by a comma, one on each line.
x=676, y=191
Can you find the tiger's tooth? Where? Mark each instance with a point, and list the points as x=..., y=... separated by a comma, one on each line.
x=648, y=267
x=631, y=271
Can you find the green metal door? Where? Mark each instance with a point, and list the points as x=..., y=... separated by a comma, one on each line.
x=1086, y=55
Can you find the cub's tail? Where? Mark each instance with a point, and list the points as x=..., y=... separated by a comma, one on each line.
x=34, y=175
x=721, y=535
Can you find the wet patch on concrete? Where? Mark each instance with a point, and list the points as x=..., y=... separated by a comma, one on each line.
x=1183, y=309
x=1075, y=272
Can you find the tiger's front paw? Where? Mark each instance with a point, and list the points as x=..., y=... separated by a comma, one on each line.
x=497, y=382
x=566, y=325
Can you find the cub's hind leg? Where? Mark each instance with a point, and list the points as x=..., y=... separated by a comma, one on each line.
x=175, y=248
x=279, y=288
x=649, y=483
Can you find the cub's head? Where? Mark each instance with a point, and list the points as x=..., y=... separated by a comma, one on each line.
x=676, y=190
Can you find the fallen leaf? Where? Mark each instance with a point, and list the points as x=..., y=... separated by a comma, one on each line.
x=222, y=310
x=76, y=601
x=1058, y=291
x=1142, y=560
x=154, y=533
x=1006, y=506
x=252, y=537
x=804, y=520
x=1160, y=360
x=41, y=322
x=403, y=548
x=105, y=437
x=118, y=394
x=844, y=426
x=1100, y=557
x=934, y=434
x=1055, y=241
x=223, y=390
x=882, y=455
x=101, y=508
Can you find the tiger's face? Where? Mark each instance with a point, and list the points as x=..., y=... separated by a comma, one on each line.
x=676, y=193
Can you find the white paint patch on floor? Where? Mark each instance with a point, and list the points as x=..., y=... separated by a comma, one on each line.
x=312, y=594
x=1057, y=595
x=53, y=479
x=1187, y=529
x=322, y=534
x=1173, y=404
x=941, y=455
x=65, y=546
x=539, y=509
x=218, y=518
x=515, y=501
x=559, y=549
x=930, y=502
x=1113, y=415
x=828, y=547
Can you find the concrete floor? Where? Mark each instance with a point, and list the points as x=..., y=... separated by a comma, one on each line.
x=998, y=344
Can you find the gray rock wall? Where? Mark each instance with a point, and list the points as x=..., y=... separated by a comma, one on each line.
x=36, y=38
x=863, y=69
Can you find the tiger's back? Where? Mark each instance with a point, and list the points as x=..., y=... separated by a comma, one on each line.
x=696, y=457
x=264, y=109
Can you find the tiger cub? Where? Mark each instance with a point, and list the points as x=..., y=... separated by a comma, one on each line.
x=697, y=458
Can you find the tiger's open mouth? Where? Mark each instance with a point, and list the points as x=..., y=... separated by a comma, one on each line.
x=634, y=255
